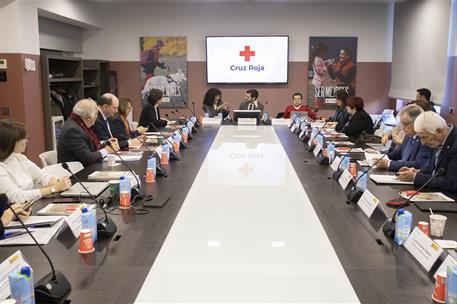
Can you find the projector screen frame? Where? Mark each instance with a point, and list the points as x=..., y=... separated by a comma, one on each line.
x=248, y=83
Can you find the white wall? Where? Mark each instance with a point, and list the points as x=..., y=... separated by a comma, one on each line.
x=55, y=35
x=125, y=23
x=452, y=43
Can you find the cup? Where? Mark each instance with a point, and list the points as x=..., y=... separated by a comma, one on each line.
x=86, y=244
x=424, y=226
x=437, y=222
x=114, y=189
x=111, y=160
x=439, y=293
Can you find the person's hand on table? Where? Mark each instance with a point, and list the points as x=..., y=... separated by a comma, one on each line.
x=8, y=215
x=62, y=184
x=406, y=174
x=135, y=143
x=385, y=138
x=383, y=163
x=114, y=146
x=142, y=130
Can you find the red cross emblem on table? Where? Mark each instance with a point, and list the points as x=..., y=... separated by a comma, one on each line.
x=247, y=53
x=246, y=170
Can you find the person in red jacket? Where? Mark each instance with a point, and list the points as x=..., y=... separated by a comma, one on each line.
x=298, y=106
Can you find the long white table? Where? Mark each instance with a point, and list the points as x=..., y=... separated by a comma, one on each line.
x=247, y=232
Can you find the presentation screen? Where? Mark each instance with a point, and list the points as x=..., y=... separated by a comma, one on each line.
x=259, y=59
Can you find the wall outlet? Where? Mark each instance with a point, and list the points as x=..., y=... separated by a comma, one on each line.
x=29, y=65
x=451, y=110
x=3, y=64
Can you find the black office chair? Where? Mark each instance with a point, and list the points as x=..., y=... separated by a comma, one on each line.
x=280, y=115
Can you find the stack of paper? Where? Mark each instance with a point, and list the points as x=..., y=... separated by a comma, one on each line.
x=42, y=235
x=388, y=179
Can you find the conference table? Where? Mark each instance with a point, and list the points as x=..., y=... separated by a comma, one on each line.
x=250, y=217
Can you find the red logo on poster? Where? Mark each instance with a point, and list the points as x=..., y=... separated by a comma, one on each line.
x=247, y=53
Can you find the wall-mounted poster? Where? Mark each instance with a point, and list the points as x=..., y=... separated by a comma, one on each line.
x=331, y=67
x=163, y=64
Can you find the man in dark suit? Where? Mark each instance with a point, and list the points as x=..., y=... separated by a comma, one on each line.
x=411, y=153
x=435, y=133
x=250, y=101
x=108, y=105
x=77, y=142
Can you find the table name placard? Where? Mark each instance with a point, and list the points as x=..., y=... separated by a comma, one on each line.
x=423, y=248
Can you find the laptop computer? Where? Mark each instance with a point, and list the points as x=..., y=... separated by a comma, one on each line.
x=95, y=188
x=302, y=115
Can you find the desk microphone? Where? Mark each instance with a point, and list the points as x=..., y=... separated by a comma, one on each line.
x=105, y=229
x=173, y=154
x=53, y=287
x=355, y=194
x=176, y=128
x=159, y=170
x=194, y=128
x=141, y=193
x=193, y=112
x=338, y=172
x=389, y=227
x=312, y=146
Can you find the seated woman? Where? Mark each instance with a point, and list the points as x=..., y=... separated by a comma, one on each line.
x=360, y=120
x=341, y=116
x=20, y=179
x=120, y=126
x=150, y=115
x=298, y=106
x=6, y=215
x=77, y=141
x=213, y=105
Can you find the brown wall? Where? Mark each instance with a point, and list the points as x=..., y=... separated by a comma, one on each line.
x=373, y=83
x=450, y=94
x=21, y=93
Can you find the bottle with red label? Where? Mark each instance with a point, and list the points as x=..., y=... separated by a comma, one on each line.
x=124, y=193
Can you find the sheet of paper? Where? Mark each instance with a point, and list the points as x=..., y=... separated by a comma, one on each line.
x=388, y=180
x=42, y=235
x=13, y=261
x=317, y=149
x=423, y=248
x=368, y=203
x=446, y=244
x=335, y=163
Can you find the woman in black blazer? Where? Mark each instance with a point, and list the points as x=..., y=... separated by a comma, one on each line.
x=150, y=115
x=360, y=120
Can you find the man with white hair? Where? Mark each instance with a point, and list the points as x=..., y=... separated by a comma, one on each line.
x=411, y=152
x=435, y=133
x=77, y=142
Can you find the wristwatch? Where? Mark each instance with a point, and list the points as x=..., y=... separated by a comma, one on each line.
x=53, y=190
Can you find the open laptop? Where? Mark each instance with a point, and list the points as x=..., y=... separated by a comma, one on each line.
x=300, y=114
x=95, y=188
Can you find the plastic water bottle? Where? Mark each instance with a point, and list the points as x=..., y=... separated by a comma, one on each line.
x=220, y=116
x=124, y=193
x=362, y=181
x=331, y=152
x=151, y=169
x=320, y=140
x=89, y=221
x=265, y=116
x=206, y=115
x=345, y=163
x=403, y=226
x=176, y=140
x=185, y=134
x=165, y=154
x=21, y=285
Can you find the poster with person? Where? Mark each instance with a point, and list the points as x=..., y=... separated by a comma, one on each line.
x=163, y=65
x=332, y=67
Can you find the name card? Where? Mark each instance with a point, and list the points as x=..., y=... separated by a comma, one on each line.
x=247, y=121
x=335, y=163
x=301, y=133
x=345, y=179
x=368, y=203
x=423, y=248
x=211, y=121
x=293, y=128
x=280, y=121
x=74, y=222
x=448, y=261
x=317, y=149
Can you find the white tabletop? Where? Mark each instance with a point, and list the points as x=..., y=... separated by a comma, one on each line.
x=247, y=232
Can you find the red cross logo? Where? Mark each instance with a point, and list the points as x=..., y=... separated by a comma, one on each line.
x=246, y=170
x=247, y=53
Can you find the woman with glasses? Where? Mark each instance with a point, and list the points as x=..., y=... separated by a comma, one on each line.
x=20, y=179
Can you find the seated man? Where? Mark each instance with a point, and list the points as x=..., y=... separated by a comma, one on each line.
x=298, y=106
x=108, y=105
x=425, y=95
x=251, y=102
x=435, y=133
x=411, y=153
x=77, y=142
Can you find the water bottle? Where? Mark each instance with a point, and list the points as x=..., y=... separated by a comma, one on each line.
x=345, y=163
x=185, y=134
x=165, y=154
x=21, y=285
x=362, y=181
x=193, y=119
x=265, y=116
x=176, y=140
x=89, y=221
x=151, y=169
x=403, y=226
x=331, y=152
x=320, y=140
x=124, y=193
x=220, y=116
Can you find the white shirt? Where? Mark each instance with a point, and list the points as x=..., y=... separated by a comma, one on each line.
x=20, y=178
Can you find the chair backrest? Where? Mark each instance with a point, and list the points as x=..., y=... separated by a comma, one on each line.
x=48, y=158
x=60, y=172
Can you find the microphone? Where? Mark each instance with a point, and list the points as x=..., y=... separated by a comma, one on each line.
x=194, y=130
x=173, y=153
x=338, y=172
x=193, y=112
x=389, y=227
x=173, y=124
x=141, y=193
x=53, y=287
x=354, y=194
x=159, y=170
x=311, y=146
x=105, y=229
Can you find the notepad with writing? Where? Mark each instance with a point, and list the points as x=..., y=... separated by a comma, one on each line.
x=388, y=180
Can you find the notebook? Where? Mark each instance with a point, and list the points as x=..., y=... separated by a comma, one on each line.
x=95, y=188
